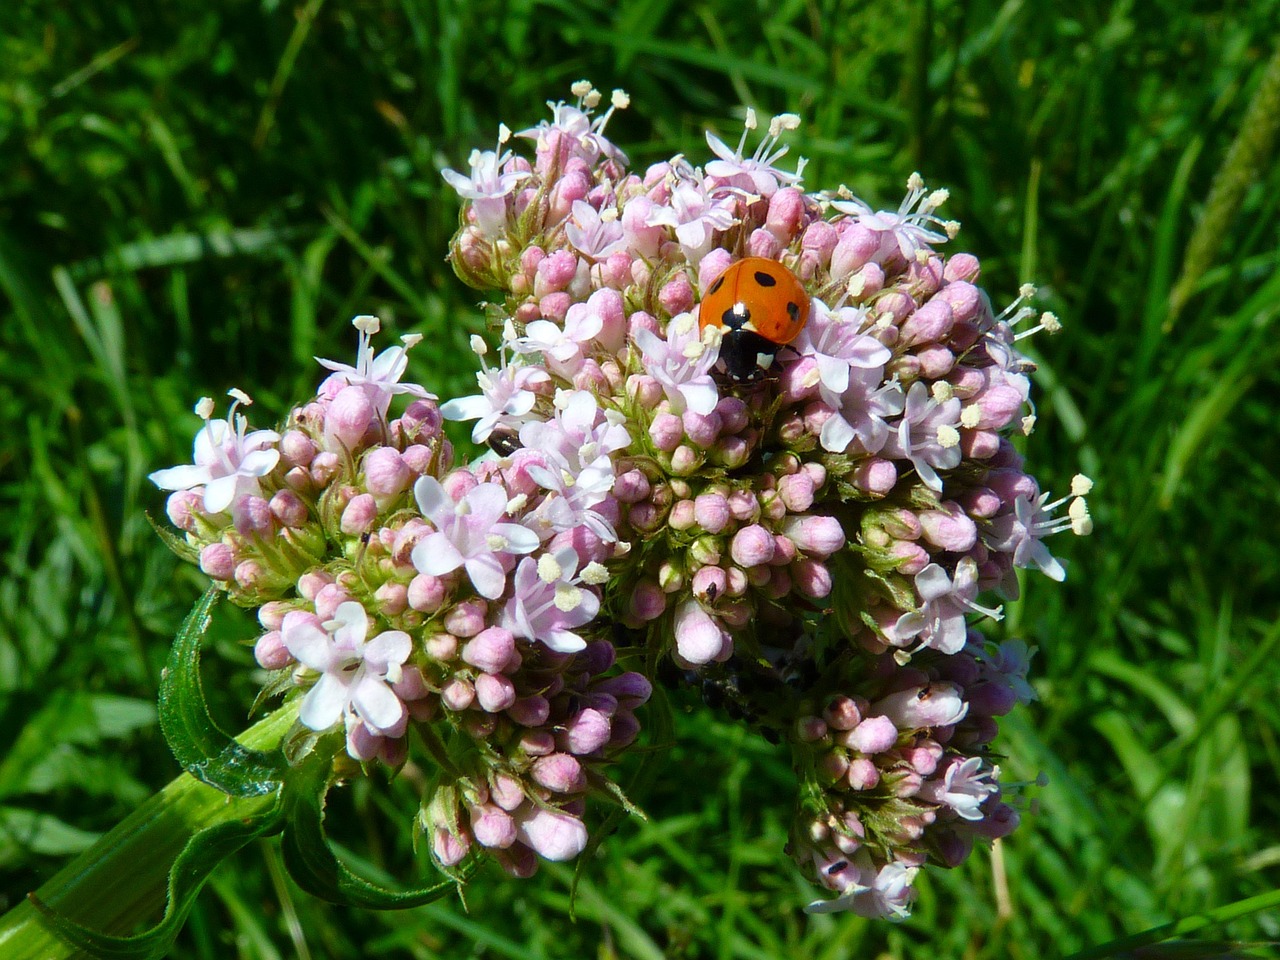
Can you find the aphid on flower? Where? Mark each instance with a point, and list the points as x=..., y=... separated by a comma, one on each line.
x=760, y=306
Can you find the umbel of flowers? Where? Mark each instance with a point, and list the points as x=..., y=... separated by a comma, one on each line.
x=812, y=545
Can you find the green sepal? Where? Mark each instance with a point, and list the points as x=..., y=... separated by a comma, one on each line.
x=179, y=545
x=314, y=866
x=202, y=749
x=191, y=869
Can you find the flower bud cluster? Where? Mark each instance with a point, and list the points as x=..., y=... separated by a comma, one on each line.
x=900, y=771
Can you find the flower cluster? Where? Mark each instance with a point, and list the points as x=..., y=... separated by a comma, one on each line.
x=822, y=537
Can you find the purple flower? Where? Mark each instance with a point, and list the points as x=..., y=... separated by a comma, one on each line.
x=682, y=365
x=927, y=435
x=505, y=398
x=939, y=623
x=355, y=677
x=861, y=411
x=963, y=788
x=228, y=462
x=836, y=341
x=758, y=170
x=547, y=602
x=694, y=212
x=488, y=187
x=594, y=233
x=470, y=534
x=906, y=231
x=379, y=376
x=881, y=894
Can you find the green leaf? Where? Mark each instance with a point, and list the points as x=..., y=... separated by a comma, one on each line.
x=195, y=863
x=204, y=751
x=24, y=832
x=310, y=859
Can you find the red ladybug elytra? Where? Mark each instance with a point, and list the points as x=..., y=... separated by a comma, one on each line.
x=760, y=306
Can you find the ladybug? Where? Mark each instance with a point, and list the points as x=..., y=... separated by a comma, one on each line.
x=760, y=306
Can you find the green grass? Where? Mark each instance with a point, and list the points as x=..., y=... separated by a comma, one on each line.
x=200, y=196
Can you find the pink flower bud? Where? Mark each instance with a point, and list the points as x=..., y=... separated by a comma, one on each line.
x=347, y=419
x=935, y=361
x=287, y=507
x=324, y=467
x=796, y=491
x=786, y=214
x=585, y=733
x=647, y=601
x=666, y=431
x=962, y=266
x=810, y=729
x=392, y=598
x=554, y=306
x=833, y=766
x=909, y=558
x=386, y=473
x=873, y=735
x=359, y=515
x=949, y=528
x=218, y=561
x=440, y=647
x=872, y=280
x=676, y=295
x=931, y=323
x=812, y=578
x=699, y=637
x=681, y=517
x=492, y=826
x=459, y=483
x=425, y=593
x=709, y=584
x=752, y=546
x=449, y=848
x=843, y=713
x=296, y=448
x=863, y=774
x=182, y=508
x=270, y=651
x=625, y=728
x=875, y=476
x=716, y=262
x=532, y=711
x=963, y=298
x=457, y=694
x=855, y=247
x=494, y=691
x=981, y=503
x=711, y=511
x=559, y=773
x=312, y=582
x=701, y=429
x=490, y=649
x=555, y=836
x=744, y=506
x=466, y=619
x=732, y=452
x=631, y=487
x=816, y=535
x=630, y=689
x=685, y=460
x=253, y=516
x=979, y=444
x=762, y=243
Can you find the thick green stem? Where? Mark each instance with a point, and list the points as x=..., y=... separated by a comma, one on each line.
x=122, y=879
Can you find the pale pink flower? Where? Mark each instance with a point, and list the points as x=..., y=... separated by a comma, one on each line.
x=228, y=462
x=471, y=534
x=379, y=376
x=682, y=365
x=757, y=172
x=547, y=602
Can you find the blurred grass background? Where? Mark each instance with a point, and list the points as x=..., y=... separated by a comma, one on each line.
x=199, y=196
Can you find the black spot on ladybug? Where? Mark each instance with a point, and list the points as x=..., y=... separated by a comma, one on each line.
x=765, y=280
x=793, y=311
x=736, y=316
x=717, y=285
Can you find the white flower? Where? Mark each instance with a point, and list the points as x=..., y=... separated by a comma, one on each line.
x=228, y=463
x=379, y=375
